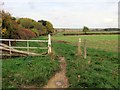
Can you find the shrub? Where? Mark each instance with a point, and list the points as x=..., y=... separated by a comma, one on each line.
x=32, y=24
x=48, y=25
x=19, y=28
x=25, y=34
x=39, y=27
x=25, y=22
x=8, y=24
x=35, y=31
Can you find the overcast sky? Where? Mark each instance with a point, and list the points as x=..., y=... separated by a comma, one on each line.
x=67, y=13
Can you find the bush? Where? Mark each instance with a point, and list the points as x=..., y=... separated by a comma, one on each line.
x=42, y=29
x=25, y=22
x=48, y=25
x=32, y=24
x=25, y=34
x=35, y=31
x=9, y=24
x=13, y=28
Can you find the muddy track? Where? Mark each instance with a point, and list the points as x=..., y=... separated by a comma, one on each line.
x=59, y=80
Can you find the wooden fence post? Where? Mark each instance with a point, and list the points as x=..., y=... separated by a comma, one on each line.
x=10, y=47
x=79, y=51
x=85, y=52
x=49, y=43
x=79, y=44
x=28, y=47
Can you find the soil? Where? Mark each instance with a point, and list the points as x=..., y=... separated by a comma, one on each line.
x=59, y=80
x=61, y=41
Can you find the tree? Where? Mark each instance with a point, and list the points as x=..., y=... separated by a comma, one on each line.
x=48, y=25
x=36, y=25
x=9, y=26
x=25, y=22
x=43, y=22
x=85, y=29
x=13, y=18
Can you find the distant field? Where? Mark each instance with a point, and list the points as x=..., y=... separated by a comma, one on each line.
x=103, y=42
x=68, y=33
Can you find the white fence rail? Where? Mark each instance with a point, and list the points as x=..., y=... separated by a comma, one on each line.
x=28, y=44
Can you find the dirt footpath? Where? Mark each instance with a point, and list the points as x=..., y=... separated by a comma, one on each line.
x=59, y=80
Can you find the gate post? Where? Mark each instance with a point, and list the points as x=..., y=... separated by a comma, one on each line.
x=10, y=47
x=49, y=43
x=28, y=47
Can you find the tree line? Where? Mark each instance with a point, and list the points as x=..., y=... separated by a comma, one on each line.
x=23, y=28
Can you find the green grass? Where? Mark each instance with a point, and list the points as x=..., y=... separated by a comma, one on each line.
x=101, y=72
x=34, y=44
x=102, y=42
x=28, y=71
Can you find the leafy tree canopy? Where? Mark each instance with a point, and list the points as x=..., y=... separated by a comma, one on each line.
x=48, y=25
x=9, y=26
x=85, y=29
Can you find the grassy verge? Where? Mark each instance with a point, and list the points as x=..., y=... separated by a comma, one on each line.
x=28, y=71
x=99, y=70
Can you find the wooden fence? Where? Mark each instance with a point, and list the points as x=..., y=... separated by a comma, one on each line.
x=27, y=44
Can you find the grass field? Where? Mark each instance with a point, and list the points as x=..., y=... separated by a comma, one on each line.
x=33, y=44
x=99, y=70
x=103, y=42
x=28, y=71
